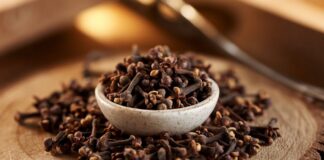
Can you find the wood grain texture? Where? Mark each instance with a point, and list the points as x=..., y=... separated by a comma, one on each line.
x=309, y=13
x=317, y=149
x=297, y=125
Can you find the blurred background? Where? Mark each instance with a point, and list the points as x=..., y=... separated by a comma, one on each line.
x=35, y=35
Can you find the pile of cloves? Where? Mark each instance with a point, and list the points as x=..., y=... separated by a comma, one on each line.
x=158, y=80
x=73, y=115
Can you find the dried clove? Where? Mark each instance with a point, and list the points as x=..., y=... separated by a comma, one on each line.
x=158, y=69
x=73, y=115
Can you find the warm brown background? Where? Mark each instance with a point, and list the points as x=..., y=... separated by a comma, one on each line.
x=290, y=42
x=294, y=47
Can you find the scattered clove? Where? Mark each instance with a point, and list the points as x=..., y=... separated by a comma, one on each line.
x=80, y=128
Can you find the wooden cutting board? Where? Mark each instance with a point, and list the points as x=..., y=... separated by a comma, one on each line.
x=298, y=127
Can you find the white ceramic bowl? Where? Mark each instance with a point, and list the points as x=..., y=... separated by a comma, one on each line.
x=152, y=122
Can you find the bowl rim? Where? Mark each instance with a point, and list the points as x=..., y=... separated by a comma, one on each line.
x=99, y=94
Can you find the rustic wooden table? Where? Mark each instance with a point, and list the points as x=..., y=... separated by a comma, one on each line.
x=41, y=67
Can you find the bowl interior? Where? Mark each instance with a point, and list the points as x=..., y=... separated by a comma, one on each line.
x=214, y=96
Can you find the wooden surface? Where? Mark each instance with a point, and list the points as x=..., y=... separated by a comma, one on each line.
x=297, y=126
x=23, y=21
x=291, y=48
x=257, y=26
x=40, y=67
x=309, y=13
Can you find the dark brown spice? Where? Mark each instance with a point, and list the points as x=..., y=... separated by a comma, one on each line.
x=73, y=115
x=183, y=79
